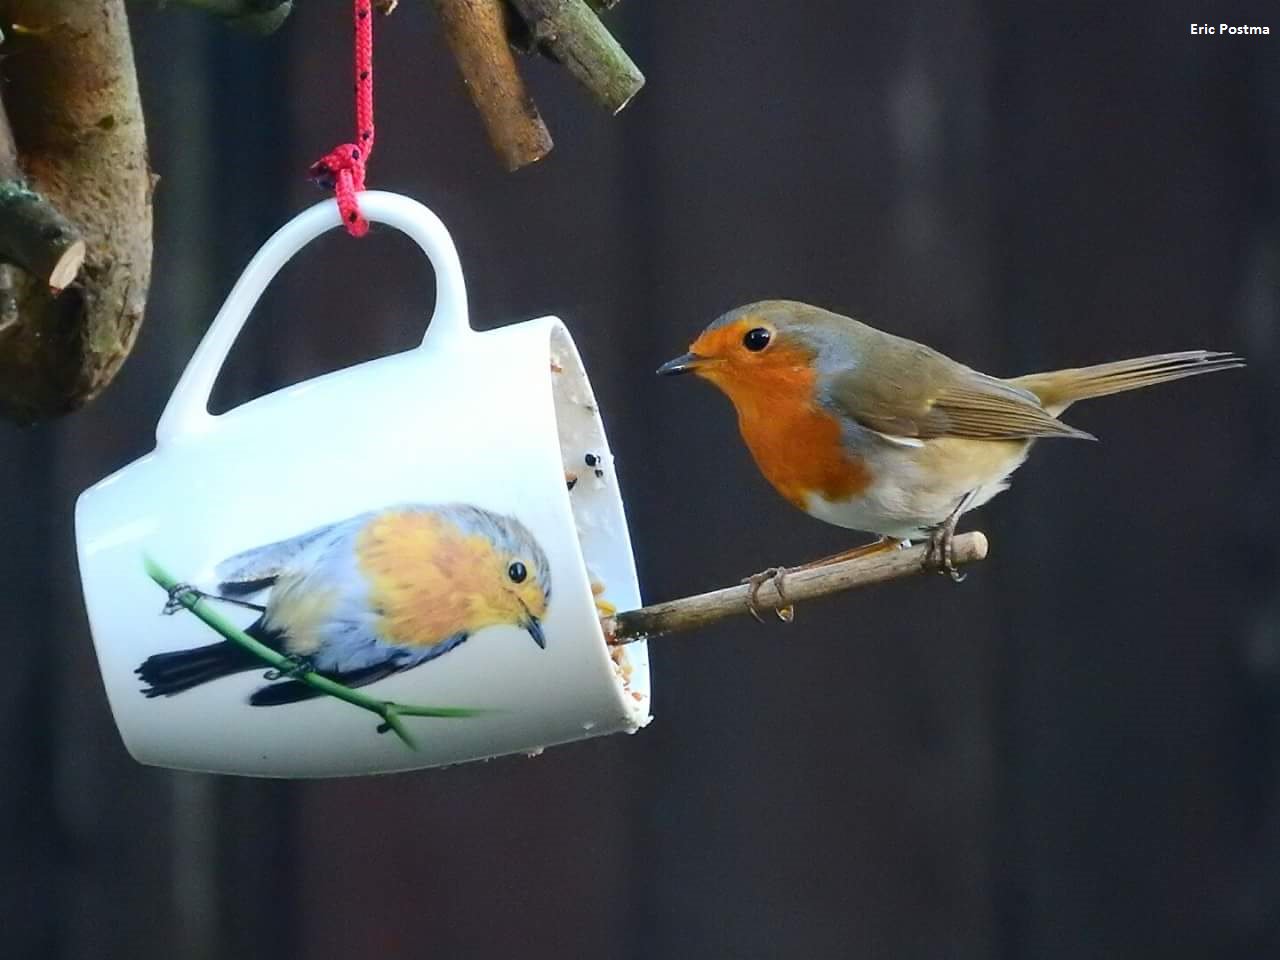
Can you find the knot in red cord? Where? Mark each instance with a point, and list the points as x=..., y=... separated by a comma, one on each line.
x=342, y=171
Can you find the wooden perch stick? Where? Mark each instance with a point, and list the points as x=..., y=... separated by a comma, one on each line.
x=698, y=611
x=477, y=34
x=37, y=237
x=572, y=33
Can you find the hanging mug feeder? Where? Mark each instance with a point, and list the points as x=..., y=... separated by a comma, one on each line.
x=380, y=569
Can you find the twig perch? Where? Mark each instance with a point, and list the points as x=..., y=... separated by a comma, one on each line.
x=388, y=710
x=476, y=31
x=698, y=611
x=572, y=33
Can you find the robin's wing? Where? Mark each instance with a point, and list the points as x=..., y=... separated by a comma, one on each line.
x=258, y=567
x=951, y=401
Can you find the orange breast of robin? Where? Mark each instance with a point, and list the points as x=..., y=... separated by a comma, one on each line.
x=797, y=445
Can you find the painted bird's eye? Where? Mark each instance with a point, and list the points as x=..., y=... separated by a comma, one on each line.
x=756, y=339
x=517, y=572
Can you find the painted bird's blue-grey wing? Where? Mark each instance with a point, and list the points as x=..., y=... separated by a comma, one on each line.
x=363, y=660
x=259, y=566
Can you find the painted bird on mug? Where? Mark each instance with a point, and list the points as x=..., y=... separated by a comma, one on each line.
x=874, y=432
x=359, y=600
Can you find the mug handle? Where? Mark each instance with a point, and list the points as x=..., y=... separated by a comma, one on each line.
x=188, y=408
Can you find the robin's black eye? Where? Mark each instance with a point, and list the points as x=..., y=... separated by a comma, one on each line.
x=517, y=572
x=756, y=339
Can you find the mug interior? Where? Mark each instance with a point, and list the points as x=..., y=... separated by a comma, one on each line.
x=598, y=513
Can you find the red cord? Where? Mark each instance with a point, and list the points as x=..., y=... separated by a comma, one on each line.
x=342, y=169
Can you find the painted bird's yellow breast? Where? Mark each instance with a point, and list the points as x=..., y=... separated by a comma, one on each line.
x=426, y=578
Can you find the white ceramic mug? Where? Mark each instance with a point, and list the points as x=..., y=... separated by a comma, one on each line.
x=404, y=528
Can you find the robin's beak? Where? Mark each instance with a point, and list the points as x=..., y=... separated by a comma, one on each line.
x=534, y=626
x=684, y=364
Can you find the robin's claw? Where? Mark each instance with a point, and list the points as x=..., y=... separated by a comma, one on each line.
x=787, y=612
x=940, y=554
x=181, y=595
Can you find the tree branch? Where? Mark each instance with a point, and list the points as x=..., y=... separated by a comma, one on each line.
x=698, y=611
x=571, y=32
x=477, y=34
x=76, y=121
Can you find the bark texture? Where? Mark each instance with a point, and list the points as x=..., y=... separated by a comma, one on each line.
x=76, y=120
x=477, y=34
x=573, y=35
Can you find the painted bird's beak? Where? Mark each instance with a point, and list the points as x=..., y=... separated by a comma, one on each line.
x=684, y=364
x=534, y=626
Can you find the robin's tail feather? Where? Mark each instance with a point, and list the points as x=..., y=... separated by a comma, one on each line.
x=168, y=673
x=1058, y=389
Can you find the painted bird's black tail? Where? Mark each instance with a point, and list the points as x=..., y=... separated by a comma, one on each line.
x=168, y=673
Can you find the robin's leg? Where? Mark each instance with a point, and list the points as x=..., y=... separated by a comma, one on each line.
x=779, y=574
x=939, y=555
x=180, y=592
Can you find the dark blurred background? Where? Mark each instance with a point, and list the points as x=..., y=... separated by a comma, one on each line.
x=1073, y=755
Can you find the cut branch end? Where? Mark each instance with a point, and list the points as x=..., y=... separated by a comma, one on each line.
x=36, y=236
x=65, y=270
x=571, y=33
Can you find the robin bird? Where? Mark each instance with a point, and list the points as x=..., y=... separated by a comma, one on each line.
x=873, y=432
x=367, y=597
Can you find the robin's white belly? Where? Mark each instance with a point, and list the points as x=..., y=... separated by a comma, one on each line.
x=888, y=512
x=907, y=498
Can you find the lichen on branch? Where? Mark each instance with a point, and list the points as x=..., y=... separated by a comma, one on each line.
x=573, y=35
x=36, y=236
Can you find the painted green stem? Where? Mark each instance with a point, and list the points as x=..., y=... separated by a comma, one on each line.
x=389, y=711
